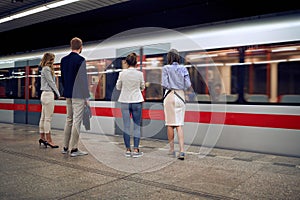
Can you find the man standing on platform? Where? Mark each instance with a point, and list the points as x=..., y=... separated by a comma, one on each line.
x=76, y=92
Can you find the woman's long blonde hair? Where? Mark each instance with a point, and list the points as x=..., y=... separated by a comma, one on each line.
x=48, y=60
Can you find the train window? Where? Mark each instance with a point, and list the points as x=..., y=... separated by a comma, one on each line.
x=152, y=68
x=5, y=83
x=34, y=82
x=200, y=89
x=256, y=87
x=256, y=82
x=288, y=82
x=211, y=75
x=18, y=83
x=97, y=77
x=272, y=73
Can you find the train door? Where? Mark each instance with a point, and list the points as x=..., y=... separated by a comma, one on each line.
x=153, y=121
x=6, y=101
x=27, y=104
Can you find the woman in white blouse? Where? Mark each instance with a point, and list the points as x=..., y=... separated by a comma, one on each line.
x=131, y=83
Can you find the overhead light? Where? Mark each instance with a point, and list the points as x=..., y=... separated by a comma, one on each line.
x=270, y=61
x=210, y=65
x=294, y=59
x=232, y=64
x=37, y=10
x=200, y=56
x=284, y=49
x=90, y=67
x=255, y=50
x=60, y=3
x=5, y=19
x=29, y=12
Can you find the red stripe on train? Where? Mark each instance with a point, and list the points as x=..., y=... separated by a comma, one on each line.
x=238, y=119
x=9, y=106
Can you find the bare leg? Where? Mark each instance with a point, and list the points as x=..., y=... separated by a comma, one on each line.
x=180, y=138
x=42, y=140
x=49, y=140
x=170, y=130
x=42, y=135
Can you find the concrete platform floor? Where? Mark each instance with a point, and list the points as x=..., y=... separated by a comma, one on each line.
x=29, y=171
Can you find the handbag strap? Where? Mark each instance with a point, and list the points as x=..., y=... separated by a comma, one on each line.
x=166, y=94
x=179, y=96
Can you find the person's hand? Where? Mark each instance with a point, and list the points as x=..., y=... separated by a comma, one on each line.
x=87, y=102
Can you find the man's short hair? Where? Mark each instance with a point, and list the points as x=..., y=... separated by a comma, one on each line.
x=76, y=43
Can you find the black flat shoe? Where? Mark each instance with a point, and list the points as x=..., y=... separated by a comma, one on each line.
x=44, y=142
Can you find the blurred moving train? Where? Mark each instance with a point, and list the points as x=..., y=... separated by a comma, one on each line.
x=245, y=83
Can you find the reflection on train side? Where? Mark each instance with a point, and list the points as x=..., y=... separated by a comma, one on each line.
x=256, y=74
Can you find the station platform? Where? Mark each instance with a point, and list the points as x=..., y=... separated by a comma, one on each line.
x=30, y=171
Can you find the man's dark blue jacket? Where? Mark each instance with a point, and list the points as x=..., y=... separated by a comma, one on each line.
x=74, y=76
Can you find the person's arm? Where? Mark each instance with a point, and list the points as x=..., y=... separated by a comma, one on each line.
x=142, y=84
x=187, y=80
x=49, y=78
x=62, y=77
x=164, y=78
x=87, y=101
x=119, y=82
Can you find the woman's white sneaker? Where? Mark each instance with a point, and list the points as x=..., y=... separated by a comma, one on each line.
x=137, y=154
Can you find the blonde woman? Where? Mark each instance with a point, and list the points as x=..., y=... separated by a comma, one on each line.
x=48, y=88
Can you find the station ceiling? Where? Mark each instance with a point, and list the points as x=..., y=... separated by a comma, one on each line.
x=99, y=19
x=11, y=7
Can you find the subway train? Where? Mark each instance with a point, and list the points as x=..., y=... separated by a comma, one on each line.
x=245, y=92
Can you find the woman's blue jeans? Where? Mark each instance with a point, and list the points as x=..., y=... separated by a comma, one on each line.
x=135, y=111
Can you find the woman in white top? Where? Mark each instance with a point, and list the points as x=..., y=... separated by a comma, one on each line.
x=48, y=88
x=131, y=83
